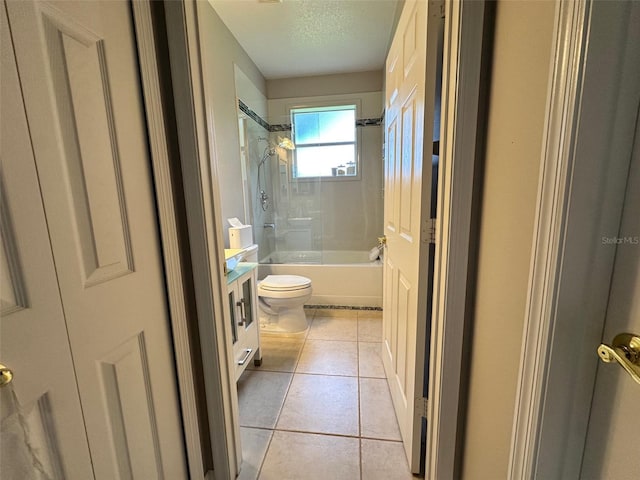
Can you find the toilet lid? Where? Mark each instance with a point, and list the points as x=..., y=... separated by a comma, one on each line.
x=284, y=282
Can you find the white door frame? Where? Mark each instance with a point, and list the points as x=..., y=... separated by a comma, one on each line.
x=204, y=219
x=169, y=230
x=587, y=140
x=461, y=81
x=459, y=131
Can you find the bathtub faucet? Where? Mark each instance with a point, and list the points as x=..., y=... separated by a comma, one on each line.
x=270, y=225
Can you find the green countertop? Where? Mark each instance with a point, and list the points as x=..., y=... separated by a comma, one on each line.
x=241, y=269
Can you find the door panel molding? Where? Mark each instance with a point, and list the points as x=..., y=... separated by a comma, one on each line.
x=129, y=403
x=13, y=296
x=37, y=422
x=78, y=76
x=407, y=168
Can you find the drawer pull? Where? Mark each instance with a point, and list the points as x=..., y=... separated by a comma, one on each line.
x=247, y=354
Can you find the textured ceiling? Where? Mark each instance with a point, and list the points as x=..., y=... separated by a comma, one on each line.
x=311, y=37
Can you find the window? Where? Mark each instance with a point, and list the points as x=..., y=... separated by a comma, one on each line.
x=325, y=140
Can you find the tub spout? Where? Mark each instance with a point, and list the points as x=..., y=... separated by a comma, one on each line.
x=270, y=225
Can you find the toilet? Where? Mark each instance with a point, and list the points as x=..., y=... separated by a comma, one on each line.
x=281, y=300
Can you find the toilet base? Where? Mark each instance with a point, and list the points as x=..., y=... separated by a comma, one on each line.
x=288, y=320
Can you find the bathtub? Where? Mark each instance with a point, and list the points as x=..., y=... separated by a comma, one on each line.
x=338, y=277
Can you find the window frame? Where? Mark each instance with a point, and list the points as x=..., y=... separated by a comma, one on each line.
x=328, y=104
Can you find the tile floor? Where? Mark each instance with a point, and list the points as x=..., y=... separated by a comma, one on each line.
x=319, y=406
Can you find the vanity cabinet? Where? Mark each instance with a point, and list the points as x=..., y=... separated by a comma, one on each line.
x=243, y=305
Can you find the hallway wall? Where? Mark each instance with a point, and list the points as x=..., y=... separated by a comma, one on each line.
x=221, y=51
x=520, y=76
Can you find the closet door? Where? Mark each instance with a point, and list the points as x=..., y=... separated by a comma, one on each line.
x=79, y=73
x=43, y=433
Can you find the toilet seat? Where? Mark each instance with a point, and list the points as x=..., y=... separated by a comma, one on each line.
x=284, y=283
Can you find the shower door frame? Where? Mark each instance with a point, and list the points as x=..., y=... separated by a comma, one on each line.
x=464, y=28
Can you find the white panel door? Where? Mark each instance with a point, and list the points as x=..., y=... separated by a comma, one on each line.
x=410, y=94
x=612, y=449
x=42, y=430
x=79, y=73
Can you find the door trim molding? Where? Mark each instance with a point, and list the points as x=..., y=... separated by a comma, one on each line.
x=549, y=232
x=589, y=117
x=173, y=272
x=204, y=220
x=462, y=64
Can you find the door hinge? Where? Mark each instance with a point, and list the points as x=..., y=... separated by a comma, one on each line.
x=422, y=407
x=429, y=233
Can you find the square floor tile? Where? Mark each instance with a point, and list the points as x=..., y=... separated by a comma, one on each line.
x=321, y=404
x=279, y=354
x=382, y=460
x=334, y=328
x=260, y=397
x=369, y=313
x=303, y=456
x=370, y=360
x=370, y=329
x=254, y=447
x=329, y=358
x=377, y=416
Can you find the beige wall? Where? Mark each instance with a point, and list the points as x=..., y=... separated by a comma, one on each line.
x=325, y=85
x=520, y=73
x=221, y=51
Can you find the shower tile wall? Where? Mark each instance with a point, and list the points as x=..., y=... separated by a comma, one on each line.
x=345, y=214
x=252, y=109
x=259, y=217
x=329, y=214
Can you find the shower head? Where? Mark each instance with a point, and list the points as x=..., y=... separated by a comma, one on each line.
x=283, y=142
x=270, y=149
x=286, y=143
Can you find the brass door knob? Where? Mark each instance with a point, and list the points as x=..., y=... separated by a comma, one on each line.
x=6, y=375
x=625, y=350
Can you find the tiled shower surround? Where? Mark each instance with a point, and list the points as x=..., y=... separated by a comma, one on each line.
x=319, y=201
x=319, y=406
x=361, y=122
